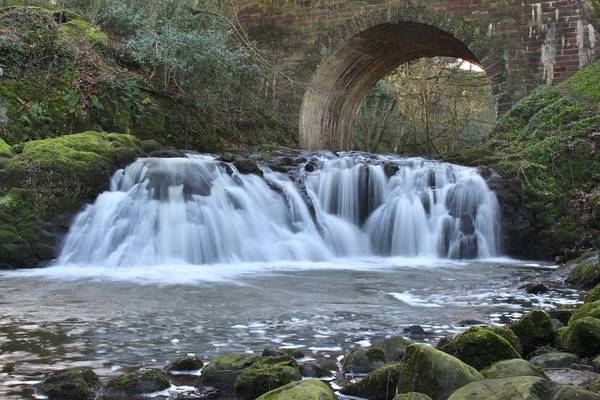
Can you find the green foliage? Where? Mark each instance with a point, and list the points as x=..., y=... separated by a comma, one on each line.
x=586, y=83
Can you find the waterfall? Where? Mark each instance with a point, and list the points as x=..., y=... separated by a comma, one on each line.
x=198, y=210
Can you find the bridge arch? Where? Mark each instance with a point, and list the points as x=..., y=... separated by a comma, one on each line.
x=374, y=44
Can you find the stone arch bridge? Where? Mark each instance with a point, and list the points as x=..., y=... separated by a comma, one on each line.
x=327, y=54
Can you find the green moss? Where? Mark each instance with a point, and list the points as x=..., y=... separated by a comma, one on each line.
x=412, y=396
x=508, y=335
x=587, y=310
x=265, y=375
x=583, y=337
x=522, y=387
x=78, y=28
x=5, y=150
x=377, y=385
x=138, y=382
x=533, y=330
x=63, y=172
x=513, y=368
x=586, y=271
x=70, y=384
x=433, y=372
x=393, y=347
x=223, y=371
x=585, y=82
x=480, y=347
x=364, y=360
x=304, y=390
x=593, y=295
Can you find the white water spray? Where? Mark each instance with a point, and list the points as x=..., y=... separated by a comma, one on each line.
x=197, y=210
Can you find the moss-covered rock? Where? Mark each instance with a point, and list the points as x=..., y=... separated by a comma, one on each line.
x=5, y=151
x=568, y=392
x=522, y=388
x=393, y=347
x=304, y=390
x=265, y=375
x=433, y=372
x=223, y=371
x=185, y=363
x=585, y=271
x=583, y=337
x=513, y=368
x=377, y=385
x=70, y=384
x=412, y=396
x=593, y=295
x=587, y=310
x=480, y=347
x=364, y=360
x=136, y=383
x=533, y=330
x=555, y=360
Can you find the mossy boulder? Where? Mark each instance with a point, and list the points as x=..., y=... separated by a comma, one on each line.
x=70, y=384
x=583, y=337
x=223, y=371
x=433, y=372
x=569, y=392
x=364, y=360
x=303, y=390
x=513, y=368
x=314, y=370
x=412, y=396
x=265, y=375
x=585, y=271
x=377, y=385
x=533, y=330
x=521, y=388
x=480, y=347
x=586, y=310
x=555, y=359
x=136, y=383
x=593, y=295
x=393, y=347
x=508, y=335
x=184, y=364
x=6, y=151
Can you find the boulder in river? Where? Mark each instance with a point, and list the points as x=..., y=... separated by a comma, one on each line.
x=70, y=384
x=223, y=371
x=513, y=368
x=363, y=361
x=533, y=330
x=377, y=385
x=303, y=390
x=480, y=347
x=433, y=372
x=555, y=359
x=265, y=375
x=185, y=364
x=393, y=347
x=585, y=272
x=136, y=383
x=583, y=337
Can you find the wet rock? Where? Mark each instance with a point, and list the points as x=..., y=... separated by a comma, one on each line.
x=480, y=347
x=568, y=392
x=536, y=288
x=557, y=324
x=136, y=383
x=513, y=368
x=272, y=352
x=167, y=152
x=561, y=314
x=583, y=337
x=377, y=385
x=364, y=360
x=412, y=396
x=596, y=363
x=227, y=157
x=265, y=375
x=70, y=384
x=433, y=372
x=247, y=166
x=185, y=364
x=521, y=387
x=555, y=360
x=295, y=353
x=593, y=295
x=470, y=322
x=312, y=165
x=303, y=390
x=587, y=310
x=534, y=330
x=223, y=371
x=314, y=370
x=390, y=169
x=416, y=332
x=585, y=271
x=568, y=376
x=393, y=347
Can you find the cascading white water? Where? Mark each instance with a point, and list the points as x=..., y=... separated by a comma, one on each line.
x=197, y=210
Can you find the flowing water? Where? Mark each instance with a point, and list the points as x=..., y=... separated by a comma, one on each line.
x=187, y=255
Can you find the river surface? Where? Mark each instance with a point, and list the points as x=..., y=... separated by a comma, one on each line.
x=115, y=319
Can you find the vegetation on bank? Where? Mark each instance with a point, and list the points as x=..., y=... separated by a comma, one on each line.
x=547, y=144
